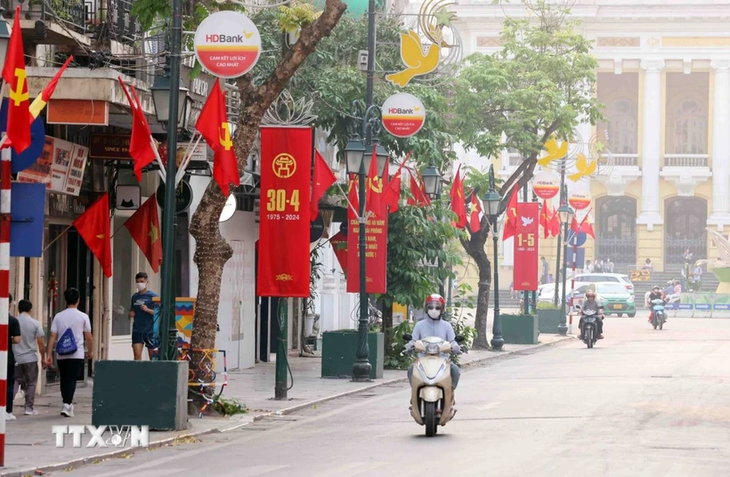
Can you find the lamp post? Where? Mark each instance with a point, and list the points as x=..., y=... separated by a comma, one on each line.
x=170, y=111
x=493, y=201
x=432, y=184
x=359, y=156
x=566, y=216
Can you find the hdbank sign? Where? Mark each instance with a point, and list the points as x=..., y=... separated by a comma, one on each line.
x=227, y=44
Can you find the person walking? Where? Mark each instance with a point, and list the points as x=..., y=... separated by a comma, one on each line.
x=13, y=338
x=26, y=356
x=70, y=331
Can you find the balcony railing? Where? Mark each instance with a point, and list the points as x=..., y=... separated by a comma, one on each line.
x=123, y=27
x=685, y=160
x=514, y=159
x=623, y=160
x=76, y=15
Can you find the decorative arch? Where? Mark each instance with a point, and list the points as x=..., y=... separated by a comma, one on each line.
x=685, y=222
x=616, y=229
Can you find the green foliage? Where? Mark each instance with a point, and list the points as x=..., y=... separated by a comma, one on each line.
x=547, y=306
x=394, y=357
x=463, y=298
x=229, y=407
x=292, y=18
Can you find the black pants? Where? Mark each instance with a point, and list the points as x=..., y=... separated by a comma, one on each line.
x=11, y=389
x=69, y=369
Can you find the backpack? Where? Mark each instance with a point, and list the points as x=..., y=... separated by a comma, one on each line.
x=67, y=343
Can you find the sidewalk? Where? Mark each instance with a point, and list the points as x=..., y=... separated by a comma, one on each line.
x=30, y=445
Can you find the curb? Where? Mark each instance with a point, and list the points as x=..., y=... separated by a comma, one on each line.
x=282, y=412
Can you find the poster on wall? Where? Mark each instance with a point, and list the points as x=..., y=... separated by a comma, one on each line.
x=526, y=247
x=60, y=167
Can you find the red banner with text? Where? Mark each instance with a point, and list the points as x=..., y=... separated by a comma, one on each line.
x=526, y=252
x=376, y=240
x=286, y=163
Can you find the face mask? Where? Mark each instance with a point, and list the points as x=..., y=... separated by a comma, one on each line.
x=141, y=286
x=434, y=314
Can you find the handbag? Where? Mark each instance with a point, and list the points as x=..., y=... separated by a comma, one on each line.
x=67, y=343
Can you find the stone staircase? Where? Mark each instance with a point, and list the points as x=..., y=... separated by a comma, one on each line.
x=709, y=280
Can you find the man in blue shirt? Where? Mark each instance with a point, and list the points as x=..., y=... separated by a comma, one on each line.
x=142, y=310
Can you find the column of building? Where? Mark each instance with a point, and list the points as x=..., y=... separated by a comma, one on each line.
x=721, y=146
x=651, y=144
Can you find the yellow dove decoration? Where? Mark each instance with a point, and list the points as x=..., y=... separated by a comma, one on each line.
x=583, y=168
x=553, y=151
x=418, y=63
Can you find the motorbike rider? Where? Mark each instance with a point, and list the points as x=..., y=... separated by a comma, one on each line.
x=590, y=303
x=435, y=326
x=656, y=294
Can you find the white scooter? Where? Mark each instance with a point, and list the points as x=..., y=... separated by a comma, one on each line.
x=432, y=396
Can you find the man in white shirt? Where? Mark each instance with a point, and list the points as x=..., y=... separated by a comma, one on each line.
x=26, y=356
x=70, y=365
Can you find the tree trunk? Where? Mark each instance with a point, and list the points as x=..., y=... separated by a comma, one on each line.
x=387, y=324
x=211, y=249
x=475, y=248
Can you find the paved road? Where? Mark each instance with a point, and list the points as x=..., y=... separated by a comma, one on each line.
x=643, y=403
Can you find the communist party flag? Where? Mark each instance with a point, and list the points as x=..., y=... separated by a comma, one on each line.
x=213, y=126
x=419, y=195
x=93, y=226
x=144, y=227
x=140, y=144
x=510, y=225
x=458, y=202
x=374, y=187
x=42, y=99
x=545, y=219
x=391, y=196
x=323, y=179
x=352, y=193
x=475, y=215
x=19, y=117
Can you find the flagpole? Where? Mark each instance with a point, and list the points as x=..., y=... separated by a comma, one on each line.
x=188, y=155
x=161, y=171
x=5, y=217
x=63, y=232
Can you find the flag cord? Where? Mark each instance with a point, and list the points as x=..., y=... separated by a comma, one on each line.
x=57, y=237
x=118, y=229
x=347, y=198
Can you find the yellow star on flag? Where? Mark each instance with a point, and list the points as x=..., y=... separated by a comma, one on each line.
x=154, y=233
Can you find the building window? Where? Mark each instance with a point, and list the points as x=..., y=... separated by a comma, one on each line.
x=622, y=127
x=690, y=128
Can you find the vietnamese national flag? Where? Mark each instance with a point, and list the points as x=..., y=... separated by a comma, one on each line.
x=586, y=227
x=391, y=196
x=93, y=226
x=419, y=195
x=475, y=215
x=545, y=219
x=144, y=227
x=555, y=223
x=458, y=202
x=140, y=144
x=213, y=126
x=322, y=180
x=14, y=75
x=42, y=99
x=510, y=225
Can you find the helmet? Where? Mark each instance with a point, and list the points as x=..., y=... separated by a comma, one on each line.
x=657, y=287
x=590, y=294
x=434, y=302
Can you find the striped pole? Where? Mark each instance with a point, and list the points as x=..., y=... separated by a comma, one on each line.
x=5, y=171
x=572, y=281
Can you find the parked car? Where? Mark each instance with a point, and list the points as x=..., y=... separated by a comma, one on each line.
x=606, y=278
x=614, y=297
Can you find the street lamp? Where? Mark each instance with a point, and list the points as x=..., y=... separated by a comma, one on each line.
x=358, y=154
x=161, y=98
x=432, y=181
x=493, y=201
x=565, y=213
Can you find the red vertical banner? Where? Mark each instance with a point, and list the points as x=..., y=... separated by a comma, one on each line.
x=526, y=252
x=286, y=163
x=376, y=244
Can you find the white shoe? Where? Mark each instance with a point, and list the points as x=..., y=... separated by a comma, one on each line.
x=9, y=416
x=30, y=412
x=68, y=410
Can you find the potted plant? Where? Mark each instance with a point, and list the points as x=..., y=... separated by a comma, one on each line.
x=549, y=317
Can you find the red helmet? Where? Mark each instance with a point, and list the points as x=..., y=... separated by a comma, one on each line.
x=435, y=299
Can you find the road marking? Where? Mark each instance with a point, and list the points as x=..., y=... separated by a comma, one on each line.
x=254, y=471
x=351, y=469
x=491, y=405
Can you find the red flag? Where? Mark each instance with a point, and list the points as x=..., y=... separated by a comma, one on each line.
x=586, y=227
x=339, y=245
x=555, y=223
x=374, y=187
x=213, y=126
x=458, y=202
x=545, y=219
x=391, y=196
x=93, y=226
x=322, y=180
x=14, y=75
x=352, y=193
x=418, y=192
x=510, y=225
x=42, y=99
x=140, y=144
x=574, y=226
x=144, y=227
x=476, y=212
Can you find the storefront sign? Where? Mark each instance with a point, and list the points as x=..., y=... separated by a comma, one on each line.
x=546, y=184
x=227, y=44
x=110, y=146
x=376, y=252
x=580, y=199
x=403, y=115
x=60, y=167
x=286, y=162
x=526, y=247
x=78, y=111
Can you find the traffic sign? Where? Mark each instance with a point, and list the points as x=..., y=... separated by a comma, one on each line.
x=31, y=154
x=580, y=238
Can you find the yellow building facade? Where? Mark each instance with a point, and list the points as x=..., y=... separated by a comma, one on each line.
x=664, y=81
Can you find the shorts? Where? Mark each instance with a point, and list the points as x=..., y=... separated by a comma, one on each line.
x=146, y=338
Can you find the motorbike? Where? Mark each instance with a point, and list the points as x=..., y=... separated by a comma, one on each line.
x=432, y=396
x=590, y=327
x=659, y=316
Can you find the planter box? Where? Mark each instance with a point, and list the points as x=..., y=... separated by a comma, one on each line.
x=138, y=393
x=338, y=353
x=548, y=320
x=519, y=329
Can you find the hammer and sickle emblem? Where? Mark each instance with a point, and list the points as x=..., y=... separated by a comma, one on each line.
x=284, y=165
x=226, y=139
x=17, y=95
x=376, y=184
